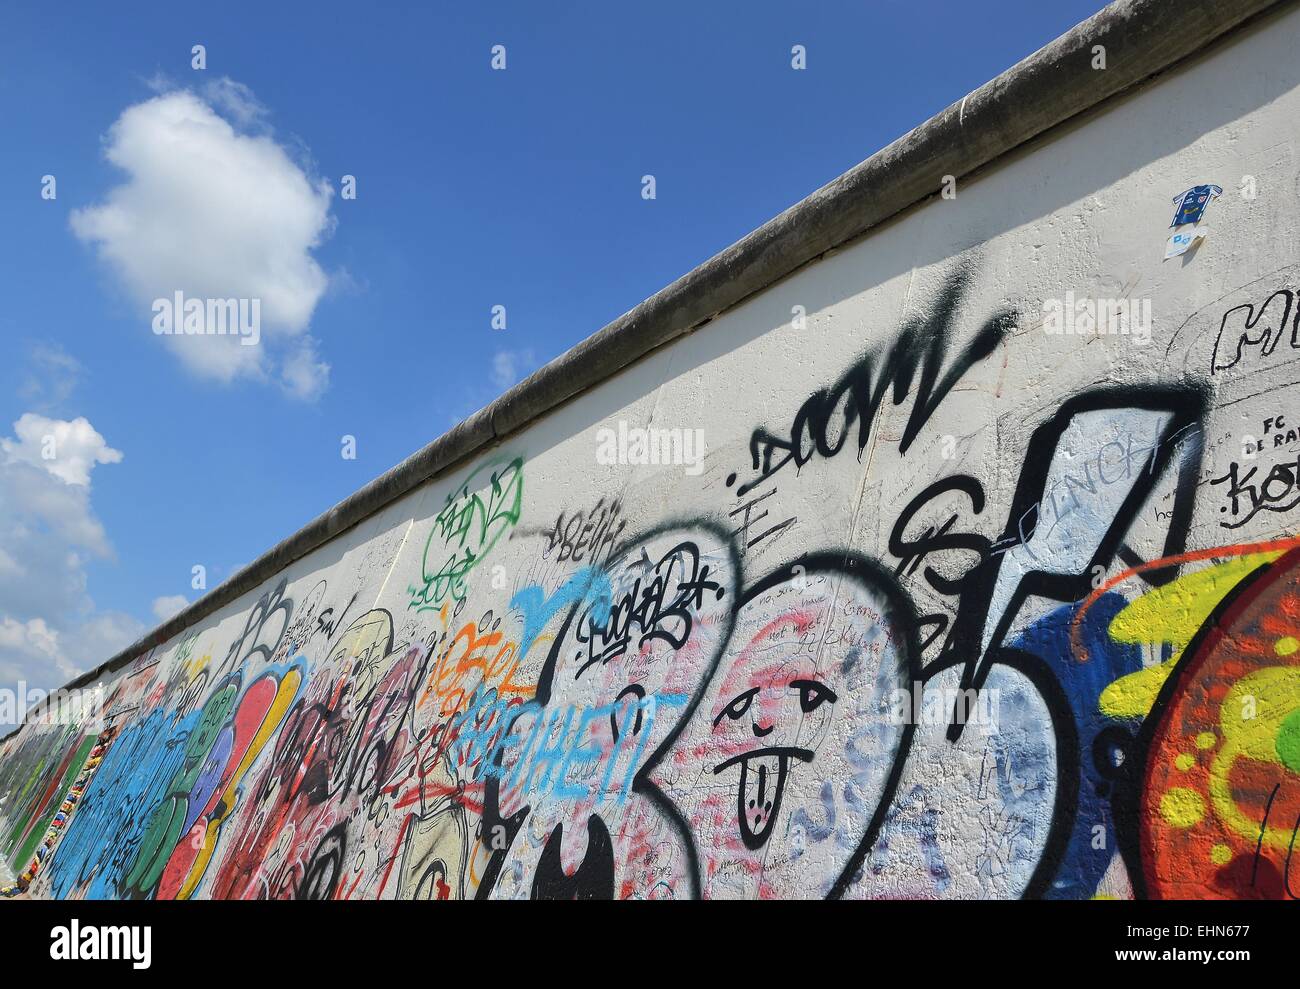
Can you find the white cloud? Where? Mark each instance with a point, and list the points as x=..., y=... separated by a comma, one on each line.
x=50, y=629
x=96, y=640
x=45, y=657
x=45, y=515
x=303, y=375
x=67, y=450
x=506, y=368
x=54, y=518
x=26, y=642
x=216, y=213
x=237, y=101
x=169, y=606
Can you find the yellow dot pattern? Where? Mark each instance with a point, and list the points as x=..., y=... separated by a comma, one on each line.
x=1205, y=740
x=1182, y=807
x=1185, y=761
x=1286, y=645
x=1220, y=854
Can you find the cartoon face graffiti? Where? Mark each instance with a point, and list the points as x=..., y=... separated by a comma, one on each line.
x=800, y=696
x=761, y=709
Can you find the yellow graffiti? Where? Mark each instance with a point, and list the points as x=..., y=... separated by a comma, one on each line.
x=1170, y=614
x=284, y=695
x=1182, y=807
x=1251, y=717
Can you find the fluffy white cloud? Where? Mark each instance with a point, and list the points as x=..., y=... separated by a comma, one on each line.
x=169, y=605
x=67, y=450
x=49, y=628
x=47, y=658
x=23, y=643
x=214, y=212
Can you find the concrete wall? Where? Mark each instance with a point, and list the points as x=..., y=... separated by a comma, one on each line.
x=555, y=670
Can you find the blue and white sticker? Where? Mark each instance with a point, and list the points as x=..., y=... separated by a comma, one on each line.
x=1189, y=206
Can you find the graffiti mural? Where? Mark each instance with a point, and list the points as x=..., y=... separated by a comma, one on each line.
x=949, y=608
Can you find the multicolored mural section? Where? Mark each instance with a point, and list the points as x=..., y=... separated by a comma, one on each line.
x=1053, y=685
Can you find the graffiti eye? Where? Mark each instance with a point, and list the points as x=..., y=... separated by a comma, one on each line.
x=813, y=695
x=737, y=708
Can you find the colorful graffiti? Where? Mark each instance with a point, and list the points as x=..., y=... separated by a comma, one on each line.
x=1037, y=672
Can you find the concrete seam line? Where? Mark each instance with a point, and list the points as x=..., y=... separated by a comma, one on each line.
x=1142, y=38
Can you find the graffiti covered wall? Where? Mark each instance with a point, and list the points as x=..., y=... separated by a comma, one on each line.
x=961, y=563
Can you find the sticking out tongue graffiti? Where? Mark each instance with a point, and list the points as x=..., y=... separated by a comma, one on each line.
x=763, y=771
x=761, y=786
x=799, y=697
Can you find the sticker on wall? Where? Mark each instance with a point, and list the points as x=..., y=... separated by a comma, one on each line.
x=1190, y=206
x=1182, y=240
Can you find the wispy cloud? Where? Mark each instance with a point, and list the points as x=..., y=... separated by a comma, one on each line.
x=509, y=366
x=53, y=375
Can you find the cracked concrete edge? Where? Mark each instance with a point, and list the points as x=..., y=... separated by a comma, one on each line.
x=1142, y=38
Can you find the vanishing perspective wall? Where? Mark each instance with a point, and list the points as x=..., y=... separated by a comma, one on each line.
x=967, y=568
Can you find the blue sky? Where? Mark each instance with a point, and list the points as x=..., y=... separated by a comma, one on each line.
x=475, y=188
